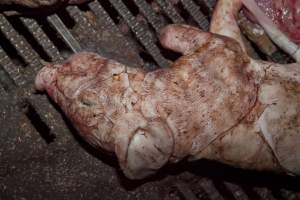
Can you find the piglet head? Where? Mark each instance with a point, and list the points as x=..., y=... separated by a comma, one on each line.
x=99, y=97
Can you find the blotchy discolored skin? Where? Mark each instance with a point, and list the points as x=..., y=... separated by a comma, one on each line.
x=214, y=102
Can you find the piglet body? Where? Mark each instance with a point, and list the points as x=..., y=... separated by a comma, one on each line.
x=214, y=102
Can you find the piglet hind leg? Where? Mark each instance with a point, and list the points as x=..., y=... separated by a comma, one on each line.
x=224, y=20
x=277, y=109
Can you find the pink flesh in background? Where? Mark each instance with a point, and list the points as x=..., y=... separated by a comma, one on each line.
x=285, y=14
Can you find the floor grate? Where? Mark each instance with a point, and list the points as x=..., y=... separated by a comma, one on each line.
x=41, y=156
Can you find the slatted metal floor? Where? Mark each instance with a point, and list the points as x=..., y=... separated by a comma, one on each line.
x=41, y=156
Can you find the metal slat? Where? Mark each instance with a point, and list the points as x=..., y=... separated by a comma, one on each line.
x=102, y=16
x=208, y=3
x=81, y=20
x=85, y=32
x=195, y=12
x=105, y=23
x=54, y=121
x=19, y=42
x=27, y=126
x=143, y=35
x=3, y=93
x=59, y=26
x=185, y=191
x=264, y=193
x=289, y=195
x=150, y=15
x=42, y=38
x=170, y=11
x=208, y=186
x=237, y=191
x=46, y=112
x=11, y=69
x=5, y=80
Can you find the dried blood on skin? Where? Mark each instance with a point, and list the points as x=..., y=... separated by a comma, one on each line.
x=285, y=14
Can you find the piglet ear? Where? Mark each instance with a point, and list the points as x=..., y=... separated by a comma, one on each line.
x=183, y=38
x=142, y=147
